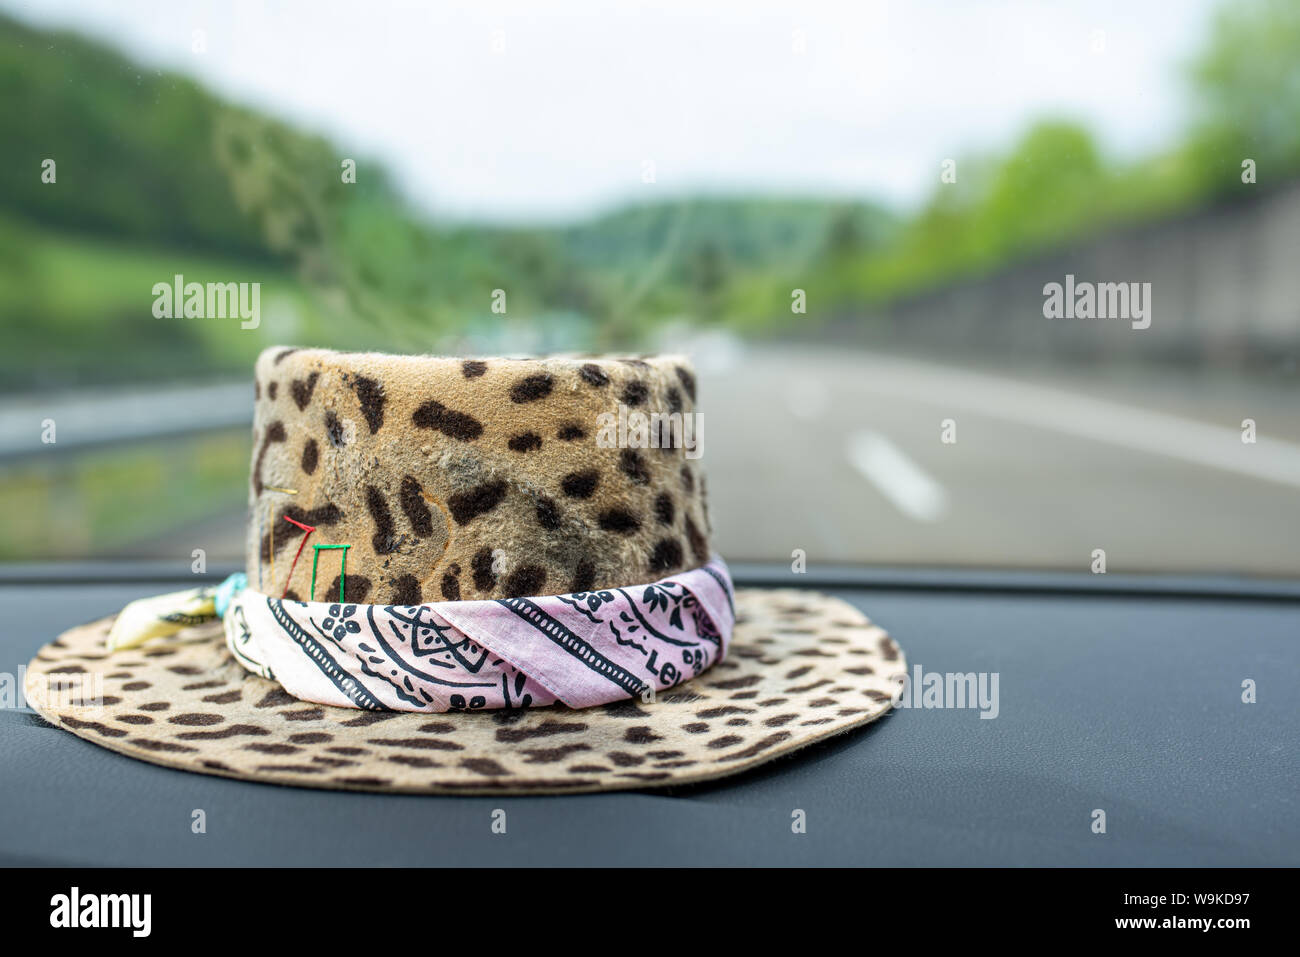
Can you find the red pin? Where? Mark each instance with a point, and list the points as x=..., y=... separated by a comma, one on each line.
x=308, y=529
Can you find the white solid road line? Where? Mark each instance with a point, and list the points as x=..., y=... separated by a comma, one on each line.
x=899, y=479
x=1101, y=420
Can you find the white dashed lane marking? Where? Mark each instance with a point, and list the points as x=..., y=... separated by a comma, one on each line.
x=907, y=486
x=1099, y=420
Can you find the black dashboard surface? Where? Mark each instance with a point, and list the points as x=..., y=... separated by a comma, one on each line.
x=1123, y=700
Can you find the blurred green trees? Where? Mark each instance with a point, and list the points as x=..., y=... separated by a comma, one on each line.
x=157, y=176
x=137, y=144
x=1247, y=92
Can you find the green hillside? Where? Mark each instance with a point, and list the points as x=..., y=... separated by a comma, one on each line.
x=156, y=176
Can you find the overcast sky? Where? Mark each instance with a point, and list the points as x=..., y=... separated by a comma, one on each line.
x=494, y=110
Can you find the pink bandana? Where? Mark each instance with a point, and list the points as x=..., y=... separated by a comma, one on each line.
x=582, y=649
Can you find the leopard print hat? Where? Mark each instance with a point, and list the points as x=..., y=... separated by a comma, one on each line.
x=459, y=480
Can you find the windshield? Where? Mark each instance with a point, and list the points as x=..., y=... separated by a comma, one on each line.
x=1006, y=285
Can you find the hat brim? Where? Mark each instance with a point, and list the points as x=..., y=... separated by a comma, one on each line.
x=803, y=666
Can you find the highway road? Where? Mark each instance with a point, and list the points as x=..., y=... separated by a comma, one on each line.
x=842, y=454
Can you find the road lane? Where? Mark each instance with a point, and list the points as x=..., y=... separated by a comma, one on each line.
x=1025, y=489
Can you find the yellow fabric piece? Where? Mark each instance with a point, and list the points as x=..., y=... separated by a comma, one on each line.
x=161, y=616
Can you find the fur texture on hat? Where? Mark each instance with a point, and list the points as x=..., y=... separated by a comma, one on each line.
x=467, y=479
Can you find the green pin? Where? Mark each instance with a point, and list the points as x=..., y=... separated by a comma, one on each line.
x=343, y=568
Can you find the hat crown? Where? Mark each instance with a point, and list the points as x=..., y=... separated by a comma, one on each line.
x=451, y=479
